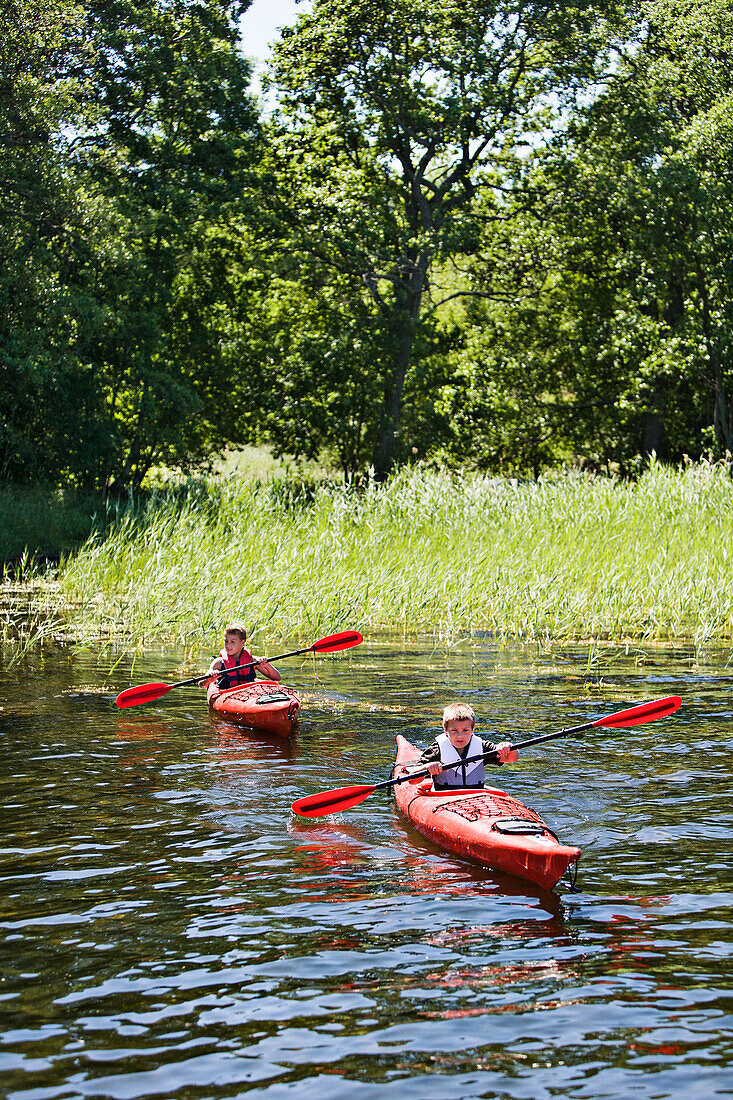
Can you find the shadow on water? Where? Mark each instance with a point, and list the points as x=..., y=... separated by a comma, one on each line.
x=335, y=840
x=240, y=743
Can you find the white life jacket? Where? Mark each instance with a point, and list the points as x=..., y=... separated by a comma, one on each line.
x=468, y=775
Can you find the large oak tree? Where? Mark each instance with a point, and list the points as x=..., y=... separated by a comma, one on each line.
x=402, y=122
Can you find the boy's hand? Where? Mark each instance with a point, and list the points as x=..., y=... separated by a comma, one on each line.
x=435, y=768
x=506, y=754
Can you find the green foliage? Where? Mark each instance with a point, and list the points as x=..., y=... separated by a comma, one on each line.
x=400, y=124
x=44, y=523
x=459, y=236
x=131, y=133
x=624, y=346
x=567, y=556
x=42, y=95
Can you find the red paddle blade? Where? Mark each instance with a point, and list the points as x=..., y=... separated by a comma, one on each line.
x=345, y=640
x=145, y=693
x=645, y=712
x=331, y=802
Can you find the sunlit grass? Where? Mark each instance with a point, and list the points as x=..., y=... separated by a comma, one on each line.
x=30, y=607
x=568, y=556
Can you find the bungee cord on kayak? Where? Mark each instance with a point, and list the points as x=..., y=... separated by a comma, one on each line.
x=476, y=822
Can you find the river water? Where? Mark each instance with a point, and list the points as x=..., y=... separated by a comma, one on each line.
x=171, y=930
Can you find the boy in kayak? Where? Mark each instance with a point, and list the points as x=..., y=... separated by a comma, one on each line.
x=457, y=742
x=234, y=654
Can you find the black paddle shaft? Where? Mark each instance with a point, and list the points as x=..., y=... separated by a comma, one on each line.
x=486, y=755
x=249, y=664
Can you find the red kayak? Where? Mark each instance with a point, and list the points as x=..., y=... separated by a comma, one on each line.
x=261, y=705
x=483, y=824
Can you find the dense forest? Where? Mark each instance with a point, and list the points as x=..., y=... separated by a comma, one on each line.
x=496, y=233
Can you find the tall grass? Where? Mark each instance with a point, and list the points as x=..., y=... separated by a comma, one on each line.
x=568, y=556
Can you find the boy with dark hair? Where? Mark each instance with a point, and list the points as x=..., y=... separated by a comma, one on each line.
x=234, y=654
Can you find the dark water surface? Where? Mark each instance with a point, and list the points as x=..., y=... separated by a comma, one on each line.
x=170, y=930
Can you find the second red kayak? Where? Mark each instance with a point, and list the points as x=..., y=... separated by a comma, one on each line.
x=483, y=824
x=261, y=705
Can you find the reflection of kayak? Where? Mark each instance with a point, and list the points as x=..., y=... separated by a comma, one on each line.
x=486, y=825
x=262, y=705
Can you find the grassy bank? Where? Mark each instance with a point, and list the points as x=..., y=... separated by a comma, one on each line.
x=45, y=523
x=569, y=556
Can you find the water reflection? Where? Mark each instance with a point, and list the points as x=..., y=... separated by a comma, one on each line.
x=232, y=744
x=171, y=930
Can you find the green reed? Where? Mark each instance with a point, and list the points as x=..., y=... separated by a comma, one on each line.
x=566, y=557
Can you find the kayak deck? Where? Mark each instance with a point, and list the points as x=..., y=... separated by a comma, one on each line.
x=483, y=824
x=263, y=705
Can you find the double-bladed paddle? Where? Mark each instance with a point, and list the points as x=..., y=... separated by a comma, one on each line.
x=343, y=798
x=148, y=693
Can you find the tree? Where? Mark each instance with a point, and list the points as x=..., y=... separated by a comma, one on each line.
x=175, y=155
x=637, y=254
x=44, y=55
x=142, y=139
x=396, y=118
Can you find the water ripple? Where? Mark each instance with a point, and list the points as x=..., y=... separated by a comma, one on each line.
x=170, y=930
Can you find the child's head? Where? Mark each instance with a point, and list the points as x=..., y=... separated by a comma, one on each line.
x=459, y=722
x=235, y=636
x=458, y=712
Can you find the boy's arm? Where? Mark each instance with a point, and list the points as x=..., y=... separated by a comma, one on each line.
x=264, y=667
x=507, y=755
x=213, y=670
x=431, y=757
x=430, y=754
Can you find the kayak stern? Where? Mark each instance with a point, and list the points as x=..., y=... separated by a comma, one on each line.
x=263, y=704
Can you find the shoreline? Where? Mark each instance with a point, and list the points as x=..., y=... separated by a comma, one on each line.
x=570, y=559
x=19, y=615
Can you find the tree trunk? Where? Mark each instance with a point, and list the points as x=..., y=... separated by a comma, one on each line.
x=392, y=406
x=653, y=434
x=408, y=319
x=722, y=419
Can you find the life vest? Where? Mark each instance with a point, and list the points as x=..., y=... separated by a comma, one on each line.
x=468, y=775
x=243, y=676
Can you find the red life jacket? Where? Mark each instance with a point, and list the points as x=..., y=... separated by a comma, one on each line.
x=243, y=676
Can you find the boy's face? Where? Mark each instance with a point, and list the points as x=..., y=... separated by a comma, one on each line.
x=233, y=643
x=460, y=732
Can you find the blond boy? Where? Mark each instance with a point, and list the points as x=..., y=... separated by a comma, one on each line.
x=459, y=742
